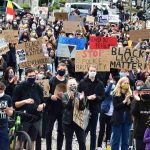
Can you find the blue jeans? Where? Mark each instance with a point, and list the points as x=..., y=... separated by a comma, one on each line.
x=92, y=128
x=4, y=140
x=120, y=133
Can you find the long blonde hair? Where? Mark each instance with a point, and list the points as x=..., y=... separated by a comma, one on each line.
x=117, y=90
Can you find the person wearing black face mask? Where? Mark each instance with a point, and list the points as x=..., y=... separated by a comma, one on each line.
x=28, y=96
x=141, y=113
x=55, y=108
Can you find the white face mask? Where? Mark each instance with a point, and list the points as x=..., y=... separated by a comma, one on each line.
x=1, y=94
x=92, y=74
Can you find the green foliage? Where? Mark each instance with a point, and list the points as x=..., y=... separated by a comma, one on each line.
x=62, y=2
x=55, y=6
x=25, y=6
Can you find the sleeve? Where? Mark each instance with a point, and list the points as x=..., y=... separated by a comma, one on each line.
x=80, y=89
x=16, y=94
x=100, y=92
x=117, y=104
x=10, y=102
x=135, y=108
x=67, y=103
x=108, y=89
x=82, y=103
x=146, y=136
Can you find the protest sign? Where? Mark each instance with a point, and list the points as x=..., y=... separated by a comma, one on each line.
x=45, y=85
x=71, y=26
x=127, y=58
x=86, y=57
x=41, y=12
x=148, y=24
x=142, y=34
x=113, y=18
x=21, y=56
x=90, y=19
x=97, y=42
x=80, y=43
x=66, y=50
x=61, y=16
x=51, y=18
x=11, y=36
x=3, y=46
x=75, y=18
x=34, y=54
x=102, y=19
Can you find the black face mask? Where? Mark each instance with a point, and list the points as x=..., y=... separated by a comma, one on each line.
x=31, y=81
x=61, y=72
x=145, y=97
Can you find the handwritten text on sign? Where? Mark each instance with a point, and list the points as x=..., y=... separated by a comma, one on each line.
x=86, y=57
x=102, y=42
x=127, y=58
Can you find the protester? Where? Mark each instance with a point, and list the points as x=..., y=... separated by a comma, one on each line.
x=10, y=80
x=147, y=136
x=6, y=110
x=28, y=96
x=121, y=118
x=94, y=93
x=69, y=104
x=140, y=111
x=54, y=106
x=106, y=113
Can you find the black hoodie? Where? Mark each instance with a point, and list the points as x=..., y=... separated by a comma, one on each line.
x=90, y=88
x=141, y=113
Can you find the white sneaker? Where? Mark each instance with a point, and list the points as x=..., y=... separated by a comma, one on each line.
x=99, y=148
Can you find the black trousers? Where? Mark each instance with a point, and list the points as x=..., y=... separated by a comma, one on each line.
x=139, y=144
x=80, y=134
x=104, y=124
x=51, y=120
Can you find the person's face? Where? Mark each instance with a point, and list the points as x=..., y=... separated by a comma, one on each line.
x=1, y=91
x=92, y=69
x=11, y=71
x=61, y=68
x=31, y=75
x=144, y=92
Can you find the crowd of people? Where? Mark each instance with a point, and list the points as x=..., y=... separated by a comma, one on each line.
x=119, y=99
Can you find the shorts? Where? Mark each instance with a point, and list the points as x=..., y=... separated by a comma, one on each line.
x=33, y=129
x=4, y=139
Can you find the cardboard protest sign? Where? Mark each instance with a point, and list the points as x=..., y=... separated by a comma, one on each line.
x=3, y=46
x=127, y=58
x=21, y=56
x=71, y=26
x=90, y=19
x=60, y=88
x=34, y=54
x=61, y=16
x=86, y=57
x=80, y=43
x=75, y=18
x=45, y=85
x=102, y=19
x=66, y=50
x=11, y=36
x=97, y=42
x=142, y=34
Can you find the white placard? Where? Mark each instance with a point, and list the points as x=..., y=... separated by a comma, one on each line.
x=66, y=50
x=21, y=56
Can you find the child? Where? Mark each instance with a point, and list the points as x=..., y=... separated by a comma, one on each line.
x=147, y=136
x=5, y=110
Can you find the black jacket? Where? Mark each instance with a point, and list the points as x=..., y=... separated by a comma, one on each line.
x=68, y=105
x=90, y=88
x=141, y=112
x=121, y=111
